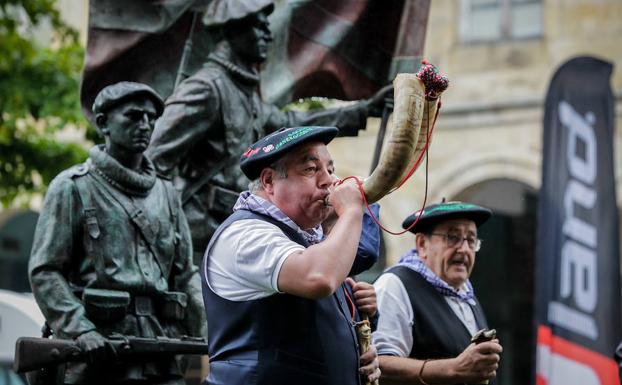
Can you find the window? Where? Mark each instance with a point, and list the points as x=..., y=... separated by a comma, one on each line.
x=490, y=20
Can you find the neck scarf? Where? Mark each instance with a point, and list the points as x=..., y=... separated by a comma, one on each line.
x=257, y=204
x=123, y=178
x=222, y=56
x=412, y=261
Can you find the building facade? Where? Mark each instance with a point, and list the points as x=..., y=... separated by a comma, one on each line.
x=487, y=145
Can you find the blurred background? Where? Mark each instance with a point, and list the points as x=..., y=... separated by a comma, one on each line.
x=499, y=55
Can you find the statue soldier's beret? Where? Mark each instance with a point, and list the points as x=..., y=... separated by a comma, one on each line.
x=113, y=95
x=270, y=148
x=436, y=213
x=221, y=12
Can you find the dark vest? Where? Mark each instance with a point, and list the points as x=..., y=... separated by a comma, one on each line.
x=437, y=331
x=280, y=339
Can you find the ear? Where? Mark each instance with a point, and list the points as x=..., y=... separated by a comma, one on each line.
x=421, y=245
x=267, y=177
x=100, y=120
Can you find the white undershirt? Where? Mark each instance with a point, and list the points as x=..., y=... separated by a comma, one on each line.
x=245, y=261
x=394, y=333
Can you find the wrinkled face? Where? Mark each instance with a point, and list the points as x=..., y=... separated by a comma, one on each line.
x=128, y=126
x=452, y=264
x=300, y=194
x=251, y=37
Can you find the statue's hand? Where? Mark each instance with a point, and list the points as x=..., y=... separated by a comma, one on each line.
x=95, y=346
x=376, y=103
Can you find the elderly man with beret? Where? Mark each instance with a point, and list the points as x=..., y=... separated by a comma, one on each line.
x=216, y=113
x=428, y=308
x=279, y=312
x=112, y=253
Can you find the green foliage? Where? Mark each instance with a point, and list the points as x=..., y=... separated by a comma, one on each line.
x=39, y=96
x=309, y=104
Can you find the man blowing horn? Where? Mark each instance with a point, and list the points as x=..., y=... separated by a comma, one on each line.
x=279, y=312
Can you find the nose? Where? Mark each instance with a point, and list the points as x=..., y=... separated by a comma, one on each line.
x=334, y=180
x=267, y=34
x=464, y=245
x=145, y=122
x=325, y=179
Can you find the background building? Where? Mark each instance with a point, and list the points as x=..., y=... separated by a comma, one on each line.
x=500, y=57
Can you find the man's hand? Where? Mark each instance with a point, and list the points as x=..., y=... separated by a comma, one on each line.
x=346, y=196
x=95, y=346
x=364, y=297
x=369, y=364
x=478, y=362
x=376, y=103
x=330, y=220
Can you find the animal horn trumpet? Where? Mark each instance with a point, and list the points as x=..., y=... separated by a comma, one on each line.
x=416, y=101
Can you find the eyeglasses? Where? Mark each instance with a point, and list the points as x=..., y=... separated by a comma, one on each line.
x=454, y=240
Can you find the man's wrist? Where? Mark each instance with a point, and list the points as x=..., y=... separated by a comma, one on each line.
x=452, y=372
x=421, y=369
x=352, y=211
x=439, y=371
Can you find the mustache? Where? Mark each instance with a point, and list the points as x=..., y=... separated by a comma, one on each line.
x=325, y=197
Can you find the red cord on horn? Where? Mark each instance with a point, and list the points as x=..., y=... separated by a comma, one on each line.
x=408, y=175
x=435, y=84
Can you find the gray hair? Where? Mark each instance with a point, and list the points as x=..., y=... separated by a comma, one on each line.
x=281, y=171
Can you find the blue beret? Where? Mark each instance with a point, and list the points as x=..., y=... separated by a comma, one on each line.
x=270, y=148
x=436, y=213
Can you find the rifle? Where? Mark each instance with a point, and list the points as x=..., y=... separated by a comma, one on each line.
x=33, y=353
x=185, y=56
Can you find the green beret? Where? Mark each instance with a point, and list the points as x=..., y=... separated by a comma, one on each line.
x=221, y=12
x=269, y=149
x=113, y=95
x=437, y=213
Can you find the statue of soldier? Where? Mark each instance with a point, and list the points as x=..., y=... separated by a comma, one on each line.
x=217, y=113
x=112, y=253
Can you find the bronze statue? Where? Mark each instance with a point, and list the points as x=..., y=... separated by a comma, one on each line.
x=112, y=254
x=214, y=115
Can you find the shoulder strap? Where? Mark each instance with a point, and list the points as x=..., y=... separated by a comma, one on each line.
x=137, y=216
x=433, y=317
x=478, y=313
x=171, y=195
x=247, y=214
x=291, y=233
x=196, y=186
x=410, y=279
x=91, y=225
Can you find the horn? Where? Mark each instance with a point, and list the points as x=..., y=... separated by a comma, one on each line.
x=416, y=101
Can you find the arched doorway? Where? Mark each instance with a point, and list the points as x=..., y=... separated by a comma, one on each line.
x=504, y=272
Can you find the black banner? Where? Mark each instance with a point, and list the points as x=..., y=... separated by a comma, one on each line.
x=578, y=259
